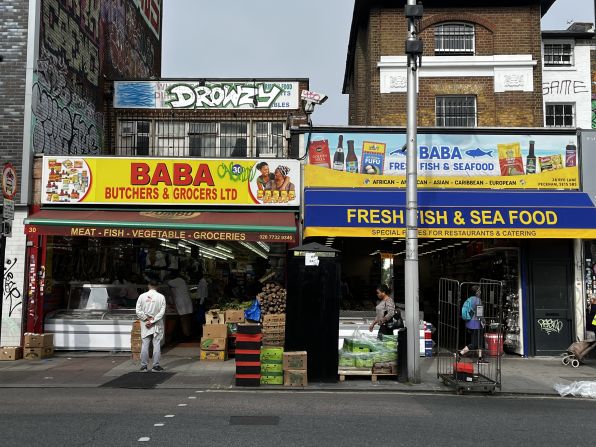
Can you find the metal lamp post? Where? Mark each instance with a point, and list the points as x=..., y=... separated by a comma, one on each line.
x=413, y=14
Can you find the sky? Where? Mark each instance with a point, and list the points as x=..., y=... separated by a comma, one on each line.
x=280, y=39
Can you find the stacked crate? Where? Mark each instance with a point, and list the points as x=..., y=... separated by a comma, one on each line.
x=135, y=340
x=274, y=330
x=11, y=353
x=38, y=346
x=272, y=365
x=248, y=355
x=233, y=318
x=295, y=368
x=214, y=342
x=426, y=342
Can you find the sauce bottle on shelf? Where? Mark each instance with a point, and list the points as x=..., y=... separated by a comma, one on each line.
x=351, y=158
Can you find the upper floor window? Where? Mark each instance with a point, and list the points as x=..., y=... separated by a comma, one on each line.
x=560, y=115
x=557, y=54
x=455, y=111
x=454, y=38
x=205, y=139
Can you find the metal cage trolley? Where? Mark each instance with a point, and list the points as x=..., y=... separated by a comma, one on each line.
x=478, y=369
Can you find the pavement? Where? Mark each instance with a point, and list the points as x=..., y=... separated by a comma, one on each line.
x=523, y=376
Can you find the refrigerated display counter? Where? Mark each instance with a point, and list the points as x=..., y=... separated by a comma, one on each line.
x=96, y=318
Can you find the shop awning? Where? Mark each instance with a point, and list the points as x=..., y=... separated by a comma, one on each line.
x=221, y=226
x=450, y=214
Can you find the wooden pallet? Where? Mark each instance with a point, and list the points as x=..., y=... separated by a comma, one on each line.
x=343, y=372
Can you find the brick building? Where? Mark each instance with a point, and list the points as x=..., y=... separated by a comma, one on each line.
x=480, y=68
x=57, y=55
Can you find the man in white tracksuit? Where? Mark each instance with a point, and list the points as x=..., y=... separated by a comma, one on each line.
x=151, y=307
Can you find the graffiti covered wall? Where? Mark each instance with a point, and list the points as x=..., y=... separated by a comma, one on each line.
x=81, y=44
x=571, y=85
x=13, y=280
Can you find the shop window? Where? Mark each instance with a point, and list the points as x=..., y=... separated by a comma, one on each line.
x=233, y=137
x=134, y=137
x=269, y=139
x=171, y=139
x=558, y=54
x=203, y=139
x=455, y=111
x=560, y=115
x=454, y=38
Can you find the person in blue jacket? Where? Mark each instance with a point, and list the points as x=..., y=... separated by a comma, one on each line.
x=474, y=327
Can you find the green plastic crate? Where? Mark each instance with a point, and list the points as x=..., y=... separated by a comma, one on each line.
x=272, y=353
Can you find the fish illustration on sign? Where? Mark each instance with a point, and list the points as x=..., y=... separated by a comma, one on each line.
x=479, y=153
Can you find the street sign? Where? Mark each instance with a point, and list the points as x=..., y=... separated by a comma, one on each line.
x=8, y=209
x=9, y=181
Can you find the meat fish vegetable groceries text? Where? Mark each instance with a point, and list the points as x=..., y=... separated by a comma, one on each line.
x=451, y=217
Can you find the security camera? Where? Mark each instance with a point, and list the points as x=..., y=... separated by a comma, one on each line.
x=311, y=99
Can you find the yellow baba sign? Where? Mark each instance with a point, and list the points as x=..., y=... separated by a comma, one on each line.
x=103, y=180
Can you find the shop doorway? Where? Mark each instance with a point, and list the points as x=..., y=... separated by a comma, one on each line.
x=551, y=297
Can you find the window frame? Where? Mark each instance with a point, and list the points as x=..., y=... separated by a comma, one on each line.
x=561, y=104
x=562, y=43
x=442, y=36
x=444, y=116
x=174, y=138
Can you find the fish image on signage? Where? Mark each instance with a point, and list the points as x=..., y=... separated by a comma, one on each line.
x=479, y=153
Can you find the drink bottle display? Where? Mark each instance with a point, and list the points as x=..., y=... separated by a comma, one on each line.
x=351, y=158
x=570, y=155
x=338, y=158
x=531, y=160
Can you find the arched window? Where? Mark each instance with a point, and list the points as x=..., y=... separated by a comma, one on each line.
x=454, y=38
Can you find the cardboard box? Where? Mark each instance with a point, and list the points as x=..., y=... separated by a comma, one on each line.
x=136, y=345
x=33, y=340
x=272, y=354
x=11, y=353
x=136, y=326
x=274, y=318
x=295, y=378
x=267, y=368
x=295, y=360
x=277, y=342
x=136, y=356
x=272, y=379
x=215, y=330
x=214, y=316
x=234, y=316
x=274, y=329
x=37, y=353
x=214, y=355
x=213, y=343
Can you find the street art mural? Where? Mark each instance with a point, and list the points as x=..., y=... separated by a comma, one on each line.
x=81, y=43
x=64, y=121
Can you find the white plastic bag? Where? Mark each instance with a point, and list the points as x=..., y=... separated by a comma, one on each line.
x=577, y=389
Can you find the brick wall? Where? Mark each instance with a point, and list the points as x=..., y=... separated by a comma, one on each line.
x=13, y=48
x=507, y=30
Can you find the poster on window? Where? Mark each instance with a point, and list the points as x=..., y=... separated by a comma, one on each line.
x=171, y=181
x=458, y=160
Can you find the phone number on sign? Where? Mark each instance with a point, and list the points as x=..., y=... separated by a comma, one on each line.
x=276, y=237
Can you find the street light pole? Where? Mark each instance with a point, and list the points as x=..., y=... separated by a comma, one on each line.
x=414, y=52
